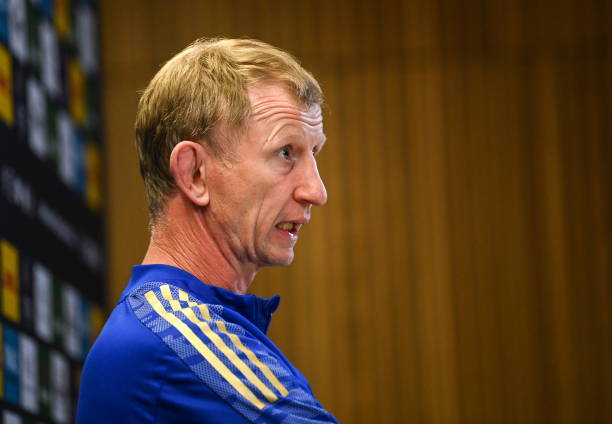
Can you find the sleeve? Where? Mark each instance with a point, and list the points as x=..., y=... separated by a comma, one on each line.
x=227, y=360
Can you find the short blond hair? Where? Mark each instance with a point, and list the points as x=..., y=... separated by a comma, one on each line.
x=202, y=86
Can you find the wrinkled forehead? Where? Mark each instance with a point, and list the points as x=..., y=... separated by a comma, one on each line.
x=274, y=100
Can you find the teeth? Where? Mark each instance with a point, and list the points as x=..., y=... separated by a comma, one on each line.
x=287, y=226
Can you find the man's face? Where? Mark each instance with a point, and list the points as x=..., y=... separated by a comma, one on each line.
x=261, y=198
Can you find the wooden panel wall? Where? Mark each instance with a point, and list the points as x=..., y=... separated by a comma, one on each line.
x=460, y=272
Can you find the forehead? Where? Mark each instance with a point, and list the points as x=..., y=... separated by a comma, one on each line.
x=270, y=100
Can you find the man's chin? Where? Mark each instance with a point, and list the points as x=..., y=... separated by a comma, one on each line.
x=282, y=258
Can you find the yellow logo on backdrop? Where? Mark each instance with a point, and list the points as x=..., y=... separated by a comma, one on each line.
x=62, y=18
x=77, y=92
x=10, y=281
x=6, y=86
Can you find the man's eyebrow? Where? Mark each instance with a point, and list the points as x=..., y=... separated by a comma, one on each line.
x=321, y=144
x=323, y=140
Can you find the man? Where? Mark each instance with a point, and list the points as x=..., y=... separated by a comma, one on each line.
x=227, y=136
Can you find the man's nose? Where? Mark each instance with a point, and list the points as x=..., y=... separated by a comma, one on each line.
x=310, y=188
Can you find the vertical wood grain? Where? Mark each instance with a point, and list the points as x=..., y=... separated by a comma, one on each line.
x=460, y=272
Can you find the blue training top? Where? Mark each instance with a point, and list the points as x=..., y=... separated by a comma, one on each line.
x=176, y=350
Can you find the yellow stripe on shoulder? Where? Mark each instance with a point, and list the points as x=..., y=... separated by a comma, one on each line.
x=165, y=291
x=201, y=347
x=265, y=370
x=219, y=343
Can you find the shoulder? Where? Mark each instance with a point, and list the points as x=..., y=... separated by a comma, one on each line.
x=123, y=371
x=232, y=362
x=219, y=352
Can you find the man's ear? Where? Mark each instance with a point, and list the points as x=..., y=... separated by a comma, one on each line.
x=189, y=172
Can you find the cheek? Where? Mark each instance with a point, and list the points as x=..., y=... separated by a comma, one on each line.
x=227, y=198
x=241, y=203
x=267, y=206
x=275, y=204
x=236, y=204
x=249, y=199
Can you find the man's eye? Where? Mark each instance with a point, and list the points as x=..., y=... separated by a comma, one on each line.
x=285, y=152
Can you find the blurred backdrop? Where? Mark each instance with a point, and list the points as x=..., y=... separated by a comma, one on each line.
x=461, y=271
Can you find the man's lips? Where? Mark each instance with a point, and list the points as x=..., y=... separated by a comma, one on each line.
x=292, y=227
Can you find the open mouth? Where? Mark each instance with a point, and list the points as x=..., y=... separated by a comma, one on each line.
x=290, y=227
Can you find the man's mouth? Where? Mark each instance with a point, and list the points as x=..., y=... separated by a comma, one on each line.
x=291, y=227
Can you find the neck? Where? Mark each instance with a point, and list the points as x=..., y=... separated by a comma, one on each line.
x=181, y=239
